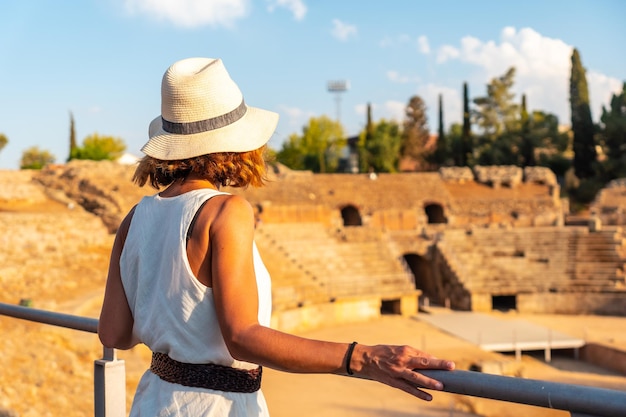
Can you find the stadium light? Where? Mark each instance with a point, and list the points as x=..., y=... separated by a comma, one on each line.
x=338, y=87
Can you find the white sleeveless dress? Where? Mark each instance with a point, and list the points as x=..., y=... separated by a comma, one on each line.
x=175, y=314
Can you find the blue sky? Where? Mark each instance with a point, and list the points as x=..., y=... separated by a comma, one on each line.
x=102, y=60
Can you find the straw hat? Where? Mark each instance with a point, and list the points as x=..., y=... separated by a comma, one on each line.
x=203, y=112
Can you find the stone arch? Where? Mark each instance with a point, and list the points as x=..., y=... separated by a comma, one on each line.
x=435, y=213
x=504, y=302
x=422, y=269
x=351, y=216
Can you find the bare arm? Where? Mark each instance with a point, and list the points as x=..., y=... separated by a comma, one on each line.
x=236, y=300
x=115, y=326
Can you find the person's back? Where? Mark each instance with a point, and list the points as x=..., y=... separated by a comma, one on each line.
x=174, y=312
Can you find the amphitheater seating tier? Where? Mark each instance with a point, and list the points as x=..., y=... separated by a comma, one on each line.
x=308, y=258
x=534, y=259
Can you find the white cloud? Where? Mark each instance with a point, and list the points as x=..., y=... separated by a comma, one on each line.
x=191, y=13
x=343, y=31
x=542, y=69
x=527, y=50
x=601, y=90
x=423, y=45
x=447, y=52
x=296, y=7
x=394, y=76
x=394, y=110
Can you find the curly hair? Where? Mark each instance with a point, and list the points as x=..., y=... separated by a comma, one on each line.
x=233, y=169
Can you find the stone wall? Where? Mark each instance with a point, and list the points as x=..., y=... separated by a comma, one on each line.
x=575, y=302
x=609, y=206
x=604, y=356
x=391, y=201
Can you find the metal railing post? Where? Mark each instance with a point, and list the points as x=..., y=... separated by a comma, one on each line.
x=109, y=385
x=109, y=372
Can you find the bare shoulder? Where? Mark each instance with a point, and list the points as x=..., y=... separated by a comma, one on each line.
x=233, y=210
x=125, y=224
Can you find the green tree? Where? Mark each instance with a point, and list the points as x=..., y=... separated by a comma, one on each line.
x=585, y=154
x=380, y=146
x=318, y=148
x=73, y=145
x=613, y=136
x=527, y=145
x=292, y=153
x=497, y=117
x=99, y=148
x=3, y=141
x=466, y=148
x=35, y=158
x=365, y=138
x=497, y=113
x=457, y=145
x=415, y=133
x=547, y=143
x=441, y=153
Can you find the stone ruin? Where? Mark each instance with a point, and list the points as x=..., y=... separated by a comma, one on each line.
x=609, y=206
x=499, y=175
x=473, y=240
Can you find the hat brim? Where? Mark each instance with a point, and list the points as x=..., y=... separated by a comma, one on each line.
x=250, y=132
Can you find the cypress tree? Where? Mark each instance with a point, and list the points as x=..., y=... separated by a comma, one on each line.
x=582, y=126
x=369, y=126
x=614, y=135
x=526, y=142
x=441, y=135
x=441, y=153
x=467, y=134
x=73, y=145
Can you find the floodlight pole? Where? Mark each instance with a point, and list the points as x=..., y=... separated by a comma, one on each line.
x=337, y=87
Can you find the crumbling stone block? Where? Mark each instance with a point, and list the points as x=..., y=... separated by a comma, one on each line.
x=539, y=175
x=456, y=174
x=498, y=175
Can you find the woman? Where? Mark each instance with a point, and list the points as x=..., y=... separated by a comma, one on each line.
x=185, y=277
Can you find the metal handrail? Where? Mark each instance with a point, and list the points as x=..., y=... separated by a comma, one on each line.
x=109, y=372
x=68, y=321
x=579, y=400
x=110, y=377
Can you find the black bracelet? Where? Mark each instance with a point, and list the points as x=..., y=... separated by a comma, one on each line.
x=349, y=357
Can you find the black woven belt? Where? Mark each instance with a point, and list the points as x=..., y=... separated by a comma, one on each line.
x=210, y=376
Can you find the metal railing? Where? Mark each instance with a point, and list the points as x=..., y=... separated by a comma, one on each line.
x=109, y=383
x=580, y=401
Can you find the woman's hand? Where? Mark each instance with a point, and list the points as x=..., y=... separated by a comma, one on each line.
x=398, y=367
